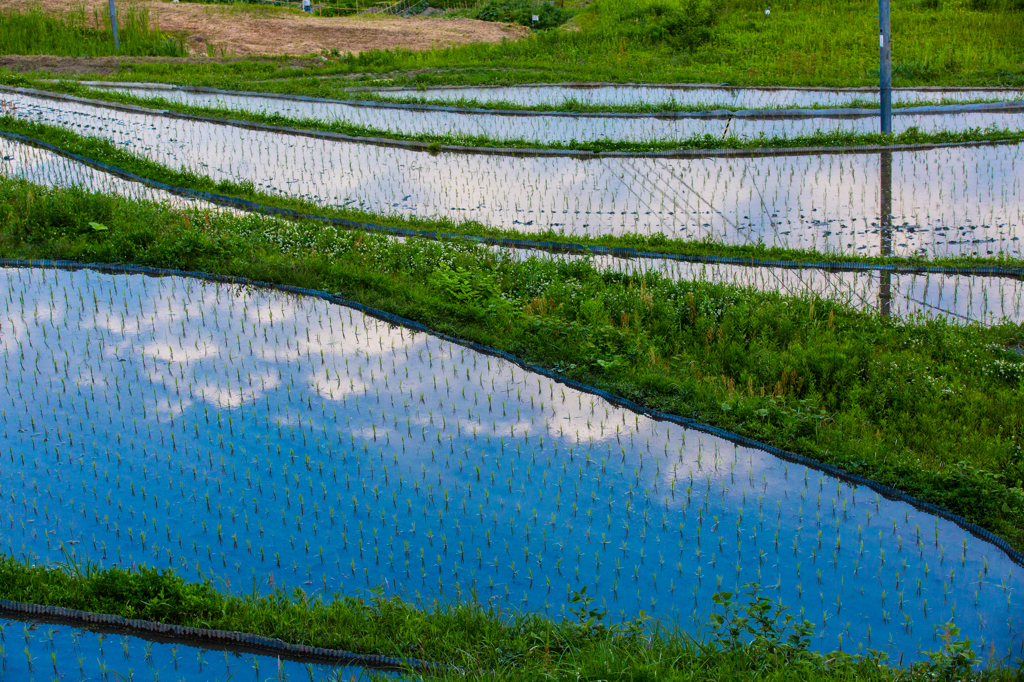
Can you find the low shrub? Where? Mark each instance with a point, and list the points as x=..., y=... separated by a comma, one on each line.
x=522, y=12
x=680, y=24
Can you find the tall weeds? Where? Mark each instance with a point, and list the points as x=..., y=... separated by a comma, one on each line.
x=77, y=35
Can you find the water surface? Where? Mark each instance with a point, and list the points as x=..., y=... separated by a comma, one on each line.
x=264, y=438
x=945, y=201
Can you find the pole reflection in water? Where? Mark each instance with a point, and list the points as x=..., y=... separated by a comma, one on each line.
x=885, y=233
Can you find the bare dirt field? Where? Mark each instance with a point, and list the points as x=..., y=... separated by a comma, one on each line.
x=253, y=30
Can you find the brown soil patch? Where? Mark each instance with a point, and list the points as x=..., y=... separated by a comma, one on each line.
x=258, y=30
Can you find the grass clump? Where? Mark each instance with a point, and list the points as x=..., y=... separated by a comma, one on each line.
x=923, y=405
x=522, y=12
x=677, y=24
x=74, y=35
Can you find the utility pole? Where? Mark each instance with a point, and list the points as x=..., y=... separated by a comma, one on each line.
x=884, y=65
x=113, y=25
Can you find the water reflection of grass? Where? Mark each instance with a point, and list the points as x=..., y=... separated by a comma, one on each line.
x=931, y=408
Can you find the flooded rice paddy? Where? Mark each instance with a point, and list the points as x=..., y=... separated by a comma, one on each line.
x=43, y=167
x=254, y=435
x=945, y=201
x=41, y=652
x=567, y=128
x=695, y=96
x=956, y=298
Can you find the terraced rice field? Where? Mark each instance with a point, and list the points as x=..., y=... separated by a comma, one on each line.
x=271, y=439
x=945, y=201
x=254, y=435
x=693, y=95
x=956, y=298
x=554, y=128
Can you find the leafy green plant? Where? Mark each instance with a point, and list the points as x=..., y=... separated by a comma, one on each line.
x=760, y=627
x=681, y=24
x=522, y=12
x=465, y=286
x=955, y=659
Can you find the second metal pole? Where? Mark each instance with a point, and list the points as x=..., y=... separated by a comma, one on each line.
x=884, y=65
x=113, y=25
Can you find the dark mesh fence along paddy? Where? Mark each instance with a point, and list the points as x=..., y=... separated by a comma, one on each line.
x=958, y=294
x=84, y=646
x=211, y=640
x=947, y=202
x=233, y=400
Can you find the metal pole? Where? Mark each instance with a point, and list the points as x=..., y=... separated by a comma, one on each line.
x=113, y=25
x=884, y=65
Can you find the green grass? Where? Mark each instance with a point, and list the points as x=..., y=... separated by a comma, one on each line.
x=820, y=43
x=490, y=643
x=826, y=42
x=106, y=152
x=925, y=406
x=74, y=35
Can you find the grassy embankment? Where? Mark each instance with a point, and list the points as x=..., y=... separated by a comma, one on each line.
x=824, y=43
x=658, y=243
x=932, y=408
x=751, y=638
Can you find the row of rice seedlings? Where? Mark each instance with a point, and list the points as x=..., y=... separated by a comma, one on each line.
x=947, y=201
x=543, y=129
x=41, y=651
x=685, y=97
x=43, y=167
x=253, y=435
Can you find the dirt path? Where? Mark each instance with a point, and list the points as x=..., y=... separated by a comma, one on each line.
x=255, y=30
x=105, y=66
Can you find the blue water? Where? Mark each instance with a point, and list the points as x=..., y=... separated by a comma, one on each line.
x=42, y=652
x=263, y=438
